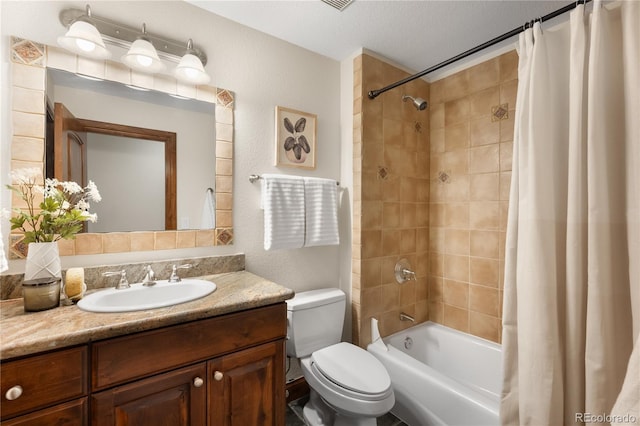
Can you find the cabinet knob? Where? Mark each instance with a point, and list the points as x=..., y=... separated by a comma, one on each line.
x=197, y=382
x=14, y=393
x=218, y=375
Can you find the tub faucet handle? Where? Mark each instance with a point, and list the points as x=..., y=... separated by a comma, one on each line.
x=404, y=272
x=408, y=274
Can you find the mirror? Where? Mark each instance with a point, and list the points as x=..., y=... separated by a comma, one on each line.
x=130, y=171
x=29, y=111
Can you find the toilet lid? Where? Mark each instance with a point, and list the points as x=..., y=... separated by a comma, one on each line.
x=352, y=368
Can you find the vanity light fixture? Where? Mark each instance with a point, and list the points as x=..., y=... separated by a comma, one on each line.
x=145, y=52
x=190, y=69
x=83, y=38
x=142, y=56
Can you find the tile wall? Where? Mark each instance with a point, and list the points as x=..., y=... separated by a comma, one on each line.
x=432, y=187
x=471, y=137
x=391, y=199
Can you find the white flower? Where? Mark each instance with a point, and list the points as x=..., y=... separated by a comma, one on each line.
x=93, y=193
x=65, y=206
x=91, y=217
x=26, y=175
x=50, y=187
x=83, y=206
x=71, y=187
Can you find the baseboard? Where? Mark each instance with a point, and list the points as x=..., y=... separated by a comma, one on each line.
x=296, y=389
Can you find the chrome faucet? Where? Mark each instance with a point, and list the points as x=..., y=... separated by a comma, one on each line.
x=408, y=274
x=123, y=283
x=174, y=278
x=149, y=279
x=403, y=271
x=406, y=317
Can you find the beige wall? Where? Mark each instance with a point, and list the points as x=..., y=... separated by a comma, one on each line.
x=257, y=68
x=391, y=199
x=443, y=202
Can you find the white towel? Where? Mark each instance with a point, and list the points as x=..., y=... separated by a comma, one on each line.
x=283, y=203
x=208, y=219
x=321, y=211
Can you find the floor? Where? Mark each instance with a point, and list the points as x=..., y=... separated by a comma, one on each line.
x=294, y=415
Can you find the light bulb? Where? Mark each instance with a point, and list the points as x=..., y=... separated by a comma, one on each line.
x=145, y=61
x=86, y=45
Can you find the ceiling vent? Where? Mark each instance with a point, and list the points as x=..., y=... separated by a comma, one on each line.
x=338, y=4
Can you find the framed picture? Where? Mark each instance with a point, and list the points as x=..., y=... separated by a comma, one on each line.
x=295, y=138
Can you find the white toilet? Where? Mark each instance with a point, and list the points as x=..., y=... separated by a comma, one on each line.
x=349, y=386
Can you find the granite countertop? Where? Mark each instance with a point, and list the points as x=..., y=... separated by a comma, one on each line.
x=24, y=333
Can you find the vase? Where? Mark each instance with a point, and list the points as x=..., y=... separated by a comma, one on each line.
x=43, y=261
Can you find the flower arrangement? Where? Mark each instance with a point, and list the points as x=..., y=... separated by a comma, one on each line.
x=61, y=213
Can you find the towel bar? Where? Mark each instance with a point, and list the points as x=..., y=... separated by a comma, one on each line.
x=253, y=178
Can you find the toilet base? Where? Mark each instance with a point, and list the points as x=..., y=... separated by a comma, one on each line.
x=318, y=413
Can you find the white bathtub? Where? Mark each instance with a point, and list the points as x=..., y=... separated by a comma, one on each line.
x=444, y=377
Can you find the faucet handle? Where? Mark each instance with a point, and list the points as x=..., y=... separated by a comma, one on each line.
x=175, y=278
x=149, y=277
x=408, y=274
x=403, y=271
x=123, y=278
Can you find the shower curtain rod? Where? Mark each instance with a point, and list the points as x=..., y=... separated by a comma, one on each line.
x=374, y=93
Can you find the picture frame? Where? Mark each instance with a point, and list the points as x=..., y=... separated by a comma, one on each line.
x=295, y=139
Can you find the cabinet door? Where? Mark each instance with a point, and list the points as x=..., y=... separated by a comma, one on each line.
x=247, y=387
x=174, y=398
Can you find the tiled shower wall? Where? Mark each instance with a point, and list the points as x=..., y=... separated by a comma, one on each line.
x=391, y=199
x=432, y=186
x=471, y=132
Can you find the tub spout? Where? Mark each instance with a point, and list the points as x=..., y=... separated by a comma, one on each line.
x=405, y=317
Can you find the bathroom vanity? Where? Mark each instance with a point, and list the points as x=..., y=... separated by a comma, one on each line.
x=218, y=360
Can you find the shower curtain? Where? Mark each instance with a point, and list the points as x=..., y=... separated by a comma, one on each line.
x=572, y=271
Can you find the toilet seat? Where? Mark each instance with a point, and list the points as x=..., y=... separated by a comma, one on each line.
x=350, y=370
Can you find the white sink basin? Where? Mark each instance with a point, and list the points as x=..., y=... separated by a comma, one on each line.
x=139, y=297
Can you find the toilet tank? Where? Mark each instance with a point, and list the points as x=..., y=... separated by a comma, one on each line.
x=314, y=320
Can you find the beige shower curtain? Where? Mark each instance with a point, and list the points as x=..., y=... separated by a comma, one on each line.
x=572, y=271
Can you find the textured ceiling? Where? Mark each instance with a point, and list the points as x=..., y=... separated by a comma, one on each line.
x=414, y=34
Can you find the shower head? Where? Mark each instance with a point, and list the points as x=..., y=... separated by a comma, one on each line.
x=419, y=103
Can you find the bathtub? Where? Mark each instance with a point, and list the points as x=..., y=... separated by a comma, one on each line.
x=441, y=376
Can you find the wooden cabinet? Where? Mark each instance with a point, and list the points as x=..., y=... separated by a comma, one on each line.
x=176, y=398
x=225, y=370
x=245, y=387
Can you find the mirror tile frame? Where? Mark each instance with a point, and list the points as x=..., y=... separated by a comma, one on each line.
x=29, y=61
